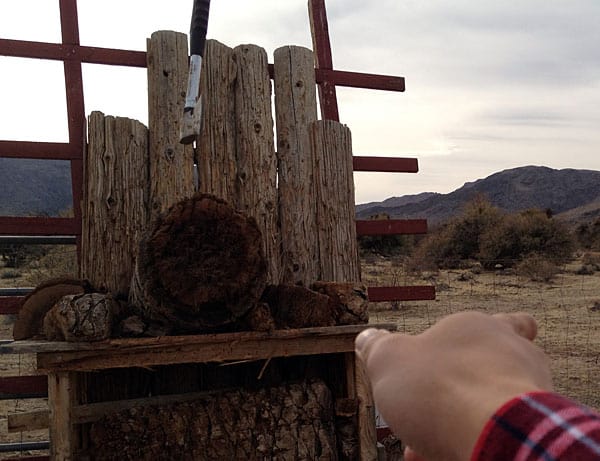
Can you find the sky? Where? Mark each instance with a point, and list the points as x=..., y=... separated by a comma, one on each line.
x=489, y=85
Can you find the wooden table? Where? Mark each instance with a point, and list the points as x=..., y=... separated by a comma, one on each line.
x=65, y=362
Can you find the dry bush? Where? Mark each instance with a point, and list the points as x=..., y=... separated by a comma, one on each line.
x=431, y=253
x=459, y=239
x=59, y=261
x=537, y=268
x=586, y=269
x=588, y=235
x=591, y=259
x=9, y=274
x=519, y=235
x=490, y=236
x=385, y=245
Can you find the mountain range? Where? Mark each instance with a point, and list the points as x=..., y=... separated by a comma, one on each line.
x=31, y=187
x=43, y=188
x=571, y=194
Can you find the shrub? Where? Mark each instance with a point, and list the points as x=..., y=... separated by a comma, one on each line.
x=435, y=251
x=485, y=233
x=537, y=268
x=16, y=255
x=386, y=245
x=591, y=259
x=460, y=238
x=586, y=269
x=10, y=274
x=467, y=231
x=59, y=261
x=588, y=235
x=519, y=235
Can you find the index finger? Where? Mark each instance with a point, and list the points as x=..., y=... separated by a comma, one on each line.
x=365, y=340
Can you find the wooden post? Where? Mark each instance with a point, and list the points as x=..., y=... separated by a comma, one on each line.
x=217, y=167
x=296, y=110
x=336, y=228
x=62, y=395
x=257, y=164
x=366, y=413
x=171, y=163
x=115, y=200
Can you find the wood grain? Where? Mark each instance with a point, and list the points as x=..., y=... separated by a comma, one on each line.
x=115, y=200
x=257, y=164
x=171, y=163
x=62, y=392
x=217, y=164
x=296, y=110
x=336, y=229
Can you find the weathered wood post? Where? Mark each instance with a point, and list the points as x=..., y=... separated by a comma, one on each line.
x=257, y=164
x=171, y=163
x=115, y=200
x=338, y=249
x=336, y=228
x=217, y=164
x=296, y=110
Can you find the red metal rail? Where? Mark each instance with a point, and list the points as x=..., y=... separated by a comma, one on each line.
x=391, y=227
x=36, y=386
x=73, y=54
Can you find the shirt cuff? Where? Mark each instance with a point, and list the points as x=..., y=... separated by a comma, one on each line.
x=517, y=426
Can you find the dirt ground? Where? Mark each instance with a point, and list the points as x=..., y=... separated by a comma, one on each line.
x=567, y=310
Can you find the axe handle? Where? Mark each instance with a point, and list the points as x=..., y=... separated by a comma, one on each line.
x=189, y=129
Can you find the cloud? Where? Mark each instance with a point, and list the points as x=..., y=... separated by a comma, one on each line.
x=489, y=85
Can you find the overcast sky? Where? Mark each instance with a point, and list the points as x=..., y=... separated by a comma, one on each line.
x=490, y=85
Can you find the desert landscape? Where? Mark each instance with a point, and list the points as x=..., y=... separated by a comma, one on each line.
x=567, y=309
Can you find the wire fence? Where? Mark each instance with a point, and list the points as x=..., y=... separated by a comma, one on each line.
x=566, y=307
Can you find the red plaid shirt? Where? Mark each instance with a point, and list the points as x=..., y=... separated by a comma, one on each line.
x=540, y=426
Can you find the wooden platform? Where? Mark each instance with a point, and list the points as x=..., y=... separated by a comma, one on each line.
x=65, y=363
x=168, y=350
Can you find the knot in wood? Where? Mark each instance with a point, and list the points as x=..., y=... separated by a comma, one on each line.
x=257, y=127
x=169, y=153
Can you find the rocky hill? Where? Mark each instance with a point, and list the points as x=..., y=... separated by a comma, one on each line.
x=511, y=190
x=43, y=187
x=34, y=187
x=397, y=201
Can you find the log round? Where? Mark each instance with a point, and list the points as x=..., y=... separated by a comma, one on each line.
x=200, y=265
x=37, y=303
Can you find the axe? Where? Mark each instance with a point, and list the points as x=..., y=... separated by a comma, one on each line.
x=193, y=104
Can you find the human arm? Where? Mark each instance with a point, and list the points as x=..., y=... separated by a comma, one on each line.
x=437, y=390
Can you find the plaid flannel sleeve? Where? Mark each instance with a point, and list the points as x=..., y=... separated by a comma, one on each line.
x=540, y=426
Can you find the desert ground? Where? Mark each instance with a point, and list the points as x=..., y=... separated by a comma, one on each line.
x=567, y=309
